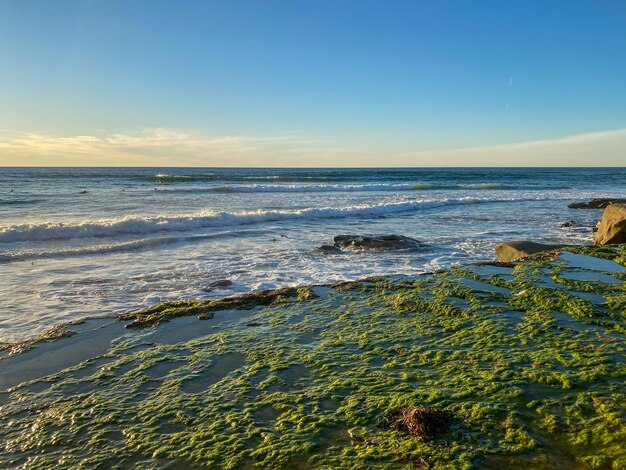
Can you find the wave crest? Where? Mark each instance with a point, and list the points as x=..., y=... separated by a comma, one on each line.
x=135, y=225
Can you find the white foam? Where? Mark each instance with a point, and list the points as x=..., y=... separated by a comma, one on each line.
x=135, y=225
x=314, y=188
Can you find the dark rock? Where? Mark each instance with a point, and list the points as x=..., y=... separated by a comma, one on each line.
x=218, y=284
x=568, y=223
x=612, y=227
x=376, y=242
x=221, y=283
x=596, y=203
x=329, y=249
x=511, y=251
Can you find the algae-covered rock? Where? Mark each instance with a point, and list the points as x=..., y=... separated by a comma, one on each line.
x=51, y=334
x=375, y=242
x=511, y=251
x=596, y=203
x=612, y=227
x=204, y=309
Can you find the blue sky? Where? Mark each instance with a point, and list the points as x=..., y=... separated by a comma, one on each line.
x=289, y=82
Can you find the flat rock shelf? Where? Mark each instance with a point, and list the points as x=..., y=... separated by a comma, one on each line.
x=520, y=366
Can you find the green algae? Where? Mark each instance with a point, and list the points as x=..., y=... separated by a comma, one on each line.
x=615, y=253
x=204, y=309
x=532, y=372
x=51, y=334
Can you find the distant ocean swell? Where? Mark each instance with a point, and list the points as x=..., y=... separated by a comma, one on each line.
x=330, y=188
x=97, y=249
x=21, y=255
x=10, y=202
x=269, y=188
x=134, y=225
x=327, y=181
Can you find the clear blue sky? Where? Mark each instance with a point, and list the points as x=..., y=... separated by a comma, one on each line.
x=382, y=77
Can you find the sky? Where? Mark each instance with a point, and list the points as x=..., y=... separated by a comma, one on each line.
x=326, y=83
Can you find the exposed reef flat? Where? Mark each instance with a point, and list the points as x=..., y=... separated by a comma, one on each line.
x=517, y=365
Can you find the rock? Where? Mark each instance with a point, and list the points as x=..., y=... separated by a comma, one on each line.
x=568, y=223
x=596, y=203
x=375, y=242
x=511, y=251
x=329, y=249
x=612, y=227
x=218, y=284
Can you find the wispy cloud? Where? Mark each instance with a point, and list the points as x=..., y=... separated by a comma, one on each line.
x=166, y=147
x=607, y=148
x=155, y=147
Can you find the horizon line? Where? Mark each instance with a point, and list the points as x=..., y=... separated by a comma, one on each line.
x=313, y=167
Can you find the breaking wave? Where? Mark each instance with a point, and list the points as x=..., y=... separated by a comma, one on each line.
x=135, y=225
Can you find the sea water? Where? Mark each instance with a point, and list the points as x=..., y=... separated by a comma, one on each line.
x=77, y=242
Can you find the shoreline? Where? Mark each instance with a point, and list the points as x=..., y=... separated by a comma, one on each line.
x=188, y=307
x=133, y=263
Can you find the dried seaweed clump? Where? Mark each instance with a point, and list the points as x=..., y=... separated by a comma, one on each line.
x=419, y=421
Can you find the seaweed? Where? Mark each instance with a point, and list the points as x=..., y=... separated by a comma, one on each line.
x=53, y=333
x=423, y=422
x=469, y=368
x=165, y=311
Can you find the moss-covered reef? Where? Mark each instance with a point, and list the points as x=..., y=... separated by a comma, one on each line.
x=204, y=309
x=520, y=367
x=51, y=334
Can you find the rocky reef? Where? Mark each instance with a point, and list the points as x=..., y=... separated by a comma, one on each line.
x=513, y=366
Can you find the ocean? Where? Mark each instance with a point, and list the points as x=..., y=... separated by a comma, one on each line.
x=85, y=242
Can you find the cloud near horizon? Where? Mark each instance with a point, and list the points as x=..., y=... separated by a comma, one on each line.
x=166, y=147
x=152, y=147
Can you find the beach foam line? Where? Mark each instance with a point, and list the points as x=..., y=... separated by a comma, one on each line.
x=313, y=188
x=135, y=225
x=166, y=178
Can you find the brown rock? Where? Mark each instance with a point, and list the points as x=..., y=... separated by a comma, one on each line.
x=511, y=251
x=612, y=227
